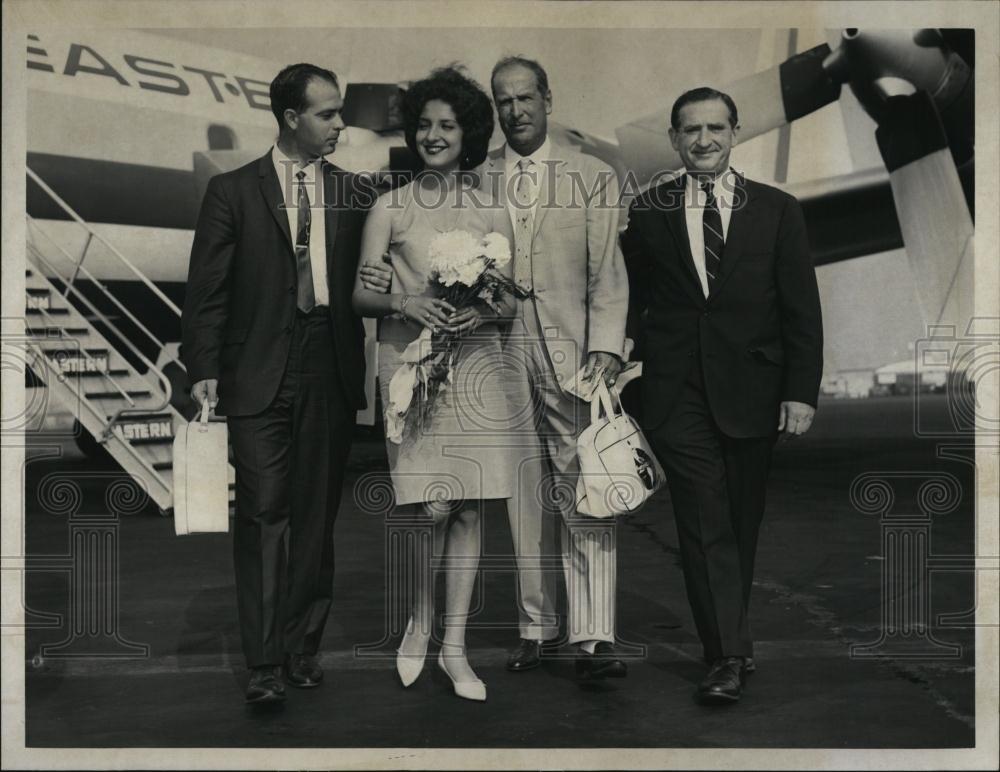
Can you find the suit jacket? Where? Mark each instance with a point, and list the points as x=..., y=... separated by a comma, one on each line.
x=758, y=335
x=240, y=299
x=577, y=269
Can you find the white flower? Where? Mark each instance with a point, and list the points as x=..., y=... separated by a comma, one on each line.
x=400, y=397
x=467, y=273
x=455, y=257
x=402, y=385
x=417, y=348
x=496, y=247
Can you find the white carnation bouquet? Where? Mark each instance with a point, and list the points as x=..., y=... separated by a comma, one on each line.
x=463, y=272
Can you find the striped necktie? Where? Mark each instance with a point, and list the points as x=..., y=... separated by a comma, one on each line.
x=306, y=298
x=715, y=242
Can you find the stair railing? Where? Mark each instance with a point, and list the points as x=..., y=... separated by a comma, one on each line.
x=80, y=270
x=100, y=416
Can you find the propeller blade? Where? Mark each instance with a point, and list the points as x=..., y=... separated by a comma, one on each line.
x=779, y=95
x=930, y=204
x=854, y=215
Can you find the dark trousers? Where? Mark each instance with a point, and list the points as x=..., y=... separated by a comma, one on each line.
x=290, y=462
x=717, y=486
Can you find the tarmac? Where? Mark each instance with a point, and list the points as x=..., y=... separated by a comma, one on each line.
x=161, y=666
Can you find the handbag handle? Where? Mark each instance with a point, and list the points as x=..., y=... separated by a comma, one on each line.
x=601, y=398
x=615, y=400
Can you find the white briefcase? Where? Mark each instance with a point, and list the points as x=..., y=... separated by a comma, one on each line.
x=201, y=477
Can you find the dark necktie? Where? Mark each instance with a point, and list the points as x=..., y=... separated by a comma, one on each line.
x=306, y=299
x=711, y=222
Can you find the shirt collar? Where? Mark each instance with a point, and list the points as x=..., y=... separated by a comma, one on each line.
x=539, y=157
x=725, y=186
x=282, y=162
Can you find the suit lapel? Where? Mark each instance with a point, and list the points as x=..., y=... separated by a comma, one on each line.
x=494, y=179
x=677, y=224
x=270, y=188
x=739, y=223
x=332, y=194
x=548, y=188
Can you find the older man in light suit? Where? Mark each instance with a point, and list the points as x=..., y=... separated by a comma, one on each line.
x=564, y=210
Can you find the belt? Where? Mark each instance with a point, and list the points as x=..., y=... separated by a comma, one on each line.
x=318, y=312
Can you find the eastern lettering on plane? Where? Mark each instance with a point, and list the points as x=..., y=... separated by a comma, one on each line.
x=149, y=74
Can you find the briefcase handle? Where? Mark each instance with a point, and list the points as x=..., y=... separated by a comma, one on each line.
x=203, y=420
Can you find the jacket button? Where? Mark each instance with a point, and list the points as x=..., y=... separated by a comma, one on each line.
x=288, y=328
x=706, y=312
x=291, y=290
x=691, y=353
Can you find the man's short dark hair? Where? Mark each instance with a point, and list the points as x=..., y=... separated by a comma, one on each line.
x=288, y=89
x=702, y=94
x=472, y=108
x=541, y=77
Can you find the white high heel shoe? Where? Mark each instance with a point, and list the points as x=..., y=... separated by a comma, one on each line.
x=410, y=666
x=469, y=690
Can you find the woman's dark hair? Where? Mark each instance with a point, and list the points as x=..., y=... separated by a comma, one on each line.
x=472, y=108
x=288, y=89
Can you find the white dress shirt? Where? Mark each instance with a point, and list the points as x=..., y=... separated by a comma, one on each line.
x=535, y=171
x=694, y=210
x=286, y=169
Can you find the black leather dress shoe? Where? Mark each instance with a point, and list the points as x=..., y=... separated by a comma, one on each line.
x=304, y=671
x=527, y=656
x=603, y=663
x=266, y=685
x=724, y=682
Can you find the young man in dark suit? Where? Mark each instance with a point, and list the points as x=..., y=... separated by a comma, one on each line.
x=728, y=309
x=269, y=336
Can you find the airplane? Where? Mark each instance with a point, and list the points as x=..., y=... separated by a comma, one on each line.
x=125, y=128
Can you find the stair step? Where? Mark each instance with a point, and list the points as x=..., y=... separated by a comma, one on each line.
x=160, y=466
x=150, y=441
x=116, y=394
x=76, y=351
x=93, y=373
x=37, y=290
x=30, y=309
x=137, y=416
x=54, y=332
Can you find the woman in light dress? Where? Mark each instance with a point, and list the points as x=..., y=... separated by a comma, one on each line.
x=447, y=465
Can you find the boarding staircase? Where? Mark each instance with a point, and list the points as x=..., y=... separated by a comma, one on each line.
x=117, y=393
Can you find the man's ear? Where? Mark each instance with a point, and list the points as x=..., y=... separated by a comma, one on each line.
x=548, y=102
x=674, y=138
x=291, y=118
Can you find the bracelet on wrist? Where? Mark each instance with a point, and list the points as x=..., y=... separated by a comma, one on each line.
x=402, y=305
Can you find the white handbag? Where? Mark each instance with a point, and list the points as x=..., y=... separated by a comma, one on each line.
x=201, y=477
x=618, y=470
